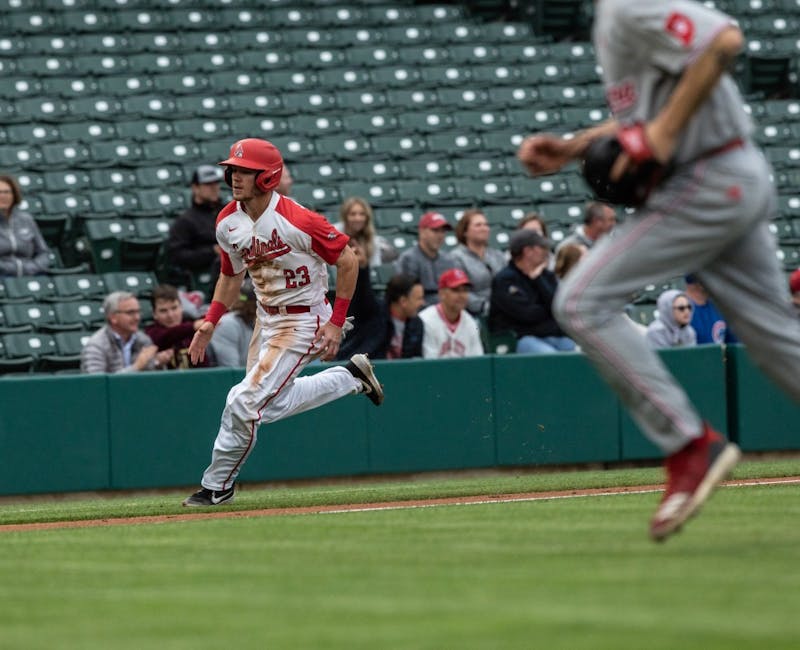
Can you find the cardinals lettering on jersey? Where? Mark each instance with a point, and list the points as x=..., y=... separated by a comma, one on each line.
x=269, y=250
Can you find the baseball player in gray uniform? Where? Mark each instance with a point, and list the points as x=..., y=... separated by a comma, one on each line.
x=286, y=249
x=665, y=72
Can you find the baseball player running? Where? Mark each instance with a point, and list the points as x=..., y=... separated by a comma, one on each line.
x=665, y=71
x=285, y=249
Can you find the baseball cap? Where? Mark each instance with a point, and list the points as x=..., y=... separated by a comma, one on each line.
x=524, y=237
x=453, y=278
x=206, y=174
x=794, y=281
x=434, y=220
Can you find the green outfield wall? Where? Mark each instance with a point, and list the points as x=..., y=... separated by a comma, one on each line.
x=75, y=433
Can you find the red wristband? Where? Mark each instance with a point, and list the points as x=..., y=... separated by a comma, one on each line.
x=340, y=307
x=215, y=311
x=634, y=142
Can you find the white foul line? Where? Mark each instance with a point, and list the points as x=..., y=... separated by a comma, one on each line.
x=518, y=499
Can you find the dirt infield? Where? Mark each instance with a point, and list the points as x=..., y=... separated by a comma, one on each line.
x=195, y=515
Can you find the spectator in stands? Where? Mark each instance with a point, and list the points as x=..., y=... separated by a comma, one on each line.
x=709, y=325
x=477, y=259
x=426, y=260
x=234, y=330
x=448, y=329
x=172, y=330
x=404, y=297
x=285, y=185
x=794, y=287
x=119, y=346
x=598, y=219
x=357, y=221
x=672, y=327
x=533, y=221
x=23, y=250
x=522, y=297
x=368, y=321
x=567, y=257
x=192, y=248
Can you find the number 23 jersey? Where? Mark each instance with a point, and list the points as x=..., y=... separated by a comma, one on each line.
x=287, y=250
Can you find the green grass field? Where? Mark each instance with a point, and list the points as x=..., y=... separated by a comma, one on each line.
x=567, y=573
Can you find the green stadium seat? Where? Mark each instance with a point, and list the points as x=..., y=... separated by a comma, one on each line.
x=430, y=121
x=397, y=220
x=79, y=314
x=376, y=192
x=67, y=355
x=67, y=180
x=105, y=242
x=314, y=195
x=503, y=141
x=171, y=151
x=260, y=103
x=375, y=55
x=513, y=96
x=234, y=81
x=65, y=155
x=345, y=78
x=18, y=87
x=426, y=167
x=307, y=102
x=363, y=100
x=489, y=190
x=343, y=147
x=174, y=84
x=87, y=131
x=319, y=58
x=501, y=343
x=396, y=76
x=70, y=87
x=140, y=283
x=454, y=142
x=480, y=120
x=28, y=289
x=480, y=167
x=372, y=170
x=148, y=106
x=31, y=316
x=115, y=153
x=79, y=286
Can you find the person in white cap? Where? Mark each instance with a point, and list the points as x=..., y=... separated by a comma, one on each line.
x=449, y=330
x=426, y=261
x=192, y=245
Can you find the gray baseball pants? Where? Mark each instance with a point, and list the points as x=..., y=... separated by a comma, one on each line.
x=711, y=217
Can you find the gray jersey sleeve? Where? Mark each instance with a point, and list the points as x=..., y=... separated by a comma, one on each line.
x=669, y=34
x=643, y=47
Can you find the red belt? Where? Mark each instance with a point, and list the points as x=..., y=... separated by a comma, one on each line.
x=716, y=151
x=286, y=309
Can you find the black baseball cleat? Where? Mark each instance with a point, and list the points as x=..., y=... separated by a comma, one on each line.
x=360, y=367
x=204, y=498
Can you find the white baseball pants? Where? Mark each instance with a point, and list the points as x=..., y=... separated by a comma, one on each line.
x=271, y=390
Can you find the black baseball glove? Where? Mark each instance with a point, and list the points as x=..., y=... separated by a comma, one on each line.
x=635, y=185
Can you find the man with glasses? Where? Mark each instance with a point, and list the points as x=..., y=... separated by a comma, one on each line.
x=119, y=346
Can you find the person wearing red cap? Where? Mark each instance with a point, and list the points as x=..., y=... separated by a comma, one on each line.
x=449, y=330
x=426, y=261
x=286, y=249
x=794, y=287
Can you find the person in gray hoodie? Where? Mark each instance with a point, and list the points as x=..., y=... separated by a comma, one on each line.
x=23, y=250
x=672, y=326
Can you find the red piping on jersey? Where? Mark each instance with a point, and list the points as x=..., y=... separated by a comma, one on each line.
x=255, y=422
x=618, y=247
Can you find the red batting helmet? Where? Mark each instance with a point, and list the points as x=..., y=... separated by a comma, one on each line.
x=252, y=153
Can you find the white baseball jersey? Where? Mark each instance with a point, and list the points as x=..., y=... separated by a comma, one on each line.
x=291, y=246
x=443, y=339
x=643, y=47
